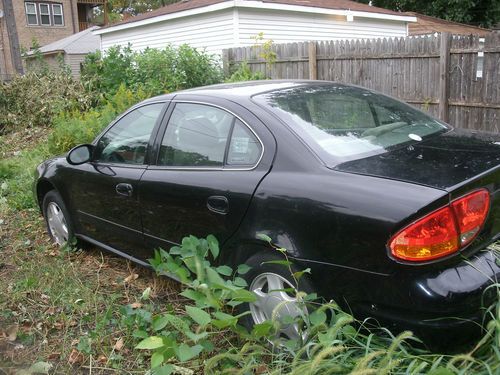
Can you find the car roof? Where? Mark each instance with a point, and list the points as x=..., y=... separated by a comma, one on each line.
x=242, y=89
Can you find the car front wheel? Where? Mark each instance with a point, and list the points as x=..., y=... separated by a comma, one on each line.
x=57, y=218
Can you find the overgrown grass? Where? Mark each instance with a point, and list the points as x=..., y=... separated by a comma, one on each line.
x=86, y=311
x=70, y=310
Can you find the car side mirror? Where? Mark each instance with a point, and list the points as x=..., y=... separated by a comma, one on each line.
x=80, y=154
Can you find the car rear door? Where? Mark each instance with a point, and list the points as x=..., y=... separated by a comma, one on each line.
x=211, y=156
x=104, y=192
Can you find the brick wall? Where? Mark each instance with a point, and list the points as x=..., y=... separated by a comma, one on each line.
x=45, y=34
x=26, y=34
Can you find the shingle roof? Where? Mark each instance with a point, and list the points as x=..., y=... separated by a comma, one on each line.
x=327, y=4
x=80, y=43
x=429, y=25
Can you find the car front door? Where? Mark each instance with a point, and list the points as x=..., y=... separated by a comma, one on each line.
x=209, y=163
x=104, y=191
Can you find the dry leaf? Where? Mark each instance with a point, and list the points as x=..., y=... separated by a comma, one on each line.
x=25, y=327
x=118, y=345
x=131, y=277
x=54, y=356
x=44, y=297
x=74, y=342
x=136, y=305
x=261, y=369
x=75, y=357
x=51, y=310
x=11, y=332
x=58, y=325
x=102, y=359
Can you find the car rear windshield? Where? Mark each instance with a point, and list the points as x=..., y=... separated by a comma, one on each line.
x=343, y=123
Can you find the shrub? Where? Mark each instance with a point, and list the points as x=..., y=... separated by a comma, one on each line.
x=153, y=70
x=244, y=73
x=34, y=99
x=73, y=127
x=105, y=74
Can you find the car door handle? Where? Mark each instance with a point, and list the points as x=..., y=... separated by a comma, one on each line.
x=218, y=204
x=124, y=189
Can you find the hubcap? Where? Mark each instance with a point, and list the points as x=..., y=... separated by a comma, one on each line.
x=273, y=302
x=57, y=224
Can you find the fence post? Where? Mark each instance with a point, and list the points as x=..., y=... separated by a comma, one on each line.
x=444, y=76
x=313, y=65
x=225, y=62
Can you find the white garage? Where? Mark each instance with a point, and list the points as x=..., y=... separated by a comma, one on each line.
x=218, y=24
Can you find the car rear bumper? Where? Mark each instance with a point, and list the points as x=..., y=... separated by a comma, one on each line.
x=441, y=306
x=439, y=303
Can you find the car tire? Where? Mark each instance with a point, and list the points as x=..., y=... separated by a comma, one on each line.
x=264, y=277
x=57, y=219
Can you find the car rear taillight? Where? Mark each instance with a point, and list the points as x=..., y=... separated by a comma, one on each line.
x=443, y=231
x=471, y=212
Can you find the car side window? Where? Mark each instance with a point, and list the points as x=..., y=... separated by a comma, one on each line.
x=196, y=135
x=244, y=148
x=127, y=141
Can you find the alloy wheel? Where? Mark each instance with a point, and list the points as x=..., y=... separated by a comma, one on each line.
x=57, y=224
x=276, y=299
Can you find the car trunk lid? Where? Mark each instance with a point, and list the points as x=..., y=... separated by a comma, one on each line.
x=444, y=162
x=458, y=162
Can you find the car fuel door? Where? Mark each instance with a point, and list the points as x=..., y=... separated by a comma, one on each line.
x=210, y=158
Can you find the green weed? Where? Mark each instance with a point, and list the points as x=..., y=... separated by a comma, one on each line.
x=74, y=128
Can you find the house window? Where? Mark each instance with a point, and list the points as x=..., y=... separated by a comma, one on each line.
x=44, y=14
x=31, y=13
x=57, y=14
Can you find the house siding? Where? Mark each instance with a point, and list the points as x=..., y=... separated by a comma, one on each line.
x=286, y=27
x=212, y=31
x=50, y=61
x=74, y=62
x=236, y=27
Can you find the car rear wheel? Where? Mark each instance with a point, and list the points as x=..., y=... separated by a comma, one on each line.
x=276, y=292
x=57, y=218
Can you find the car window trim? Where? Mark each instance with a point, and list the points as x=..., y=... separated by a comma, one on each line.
x=228, y=141
x=174, y=102
x=152, y=137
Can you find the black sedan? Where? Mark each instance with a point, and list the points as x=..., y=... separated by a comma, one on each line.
x=391, y=209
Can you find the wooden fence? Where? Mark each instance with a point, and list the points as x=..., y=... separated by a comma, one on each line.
x=454, y=78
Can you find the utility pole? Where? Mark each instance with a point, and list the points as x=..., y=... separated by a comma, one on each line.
x=15, y=50
x=3, y=61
